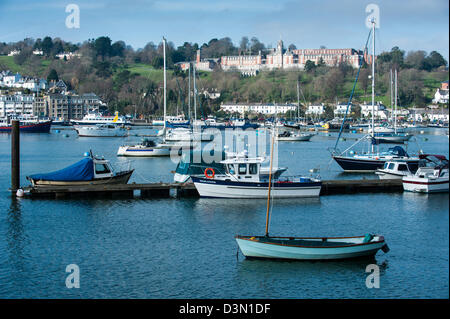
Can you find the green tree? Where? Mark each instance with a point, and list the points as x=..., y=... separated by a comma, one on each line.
x=102, y=46
x=47, y=45
x=52, y=76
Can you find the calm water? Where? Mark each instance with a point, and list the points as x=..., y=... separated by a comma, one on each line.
x=185, y=248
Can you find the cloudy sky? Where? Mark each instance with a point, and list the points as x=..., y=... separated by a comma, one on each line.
x=409, y=24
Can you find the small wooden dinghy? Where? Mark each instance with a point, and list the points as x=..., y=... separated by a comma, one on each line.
x=311, y=248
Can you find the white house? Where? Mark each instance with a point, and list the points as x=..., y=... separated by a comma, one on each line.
x=379, y=110
x=9, y=79
x=68, y=55
x=263, y=108
x=316, y=109
x=441, y=96
x=13, y=53
x=340, y=109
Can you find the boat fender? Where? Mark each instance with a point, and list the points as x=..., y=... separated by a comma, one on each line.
x=20, y=192
x=207, y=170
x=385, y=248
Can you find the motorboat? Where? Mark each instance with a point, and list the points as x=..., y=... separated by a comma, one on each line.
x=294, y=137
x=147, y=148
x=242, y=179
x=98, y=118
x=395, y=138
x=311, y=248
x=101, y=130
x=186, y=134
x=432, y=175
x=90, y=170
x=396, y=169
x=189, y=166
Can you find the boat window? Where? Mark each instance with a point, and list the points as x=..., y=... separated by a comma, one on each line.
x=253, y=169
x=231, y=168
x=391, y=166
x=402, y=167
x=386, y=165
x=242, y=169
x=101, y=169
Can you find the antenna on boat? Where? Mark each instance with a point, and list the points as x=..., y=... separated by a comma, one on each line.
x=373, y=78
x=165, y=81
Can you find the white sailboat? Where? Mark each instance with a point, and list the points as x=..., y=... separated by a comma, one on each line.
x=307, y=248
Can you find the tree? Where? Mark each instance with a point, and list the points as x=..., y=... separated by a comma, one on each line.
x=310, y=66
x=244, y=45
x=102, y=46
x=433, y=61
x=47, y=45
x=52, y=76
x=364, y=79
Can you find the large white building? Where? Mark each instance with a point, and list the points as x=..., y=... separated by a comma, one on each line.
x=379, y=110
x=340, y=109
x=17, y=104
x=257, y=108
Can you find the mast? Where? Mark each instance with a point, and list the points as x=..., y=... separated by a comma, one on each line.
x=392, y=95
x=195, y=98
x=165, y=81
x=395, y=112
x=298, y=101
x=373, y=78
x=189, y=94
x=270, y=182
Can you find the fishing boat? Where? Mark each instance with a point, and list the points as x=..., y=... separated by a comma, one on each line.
x=294, y=137
x=101, y=130
x=147, y=148
x=89, y=171
x=372, y=159
x=242, y=179
x=188, y=166
x=98, y=118
x=26, y=124
x=396, y=169
x=307, y=248
x=431, y=177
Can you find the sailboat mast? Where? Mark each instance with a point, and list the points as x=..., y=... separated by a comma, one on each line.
x=396, y=97
x=165, y=81
x=373, y=78
x=298, y=101
x=189, y=94
x=270, y=182
x=392, y=95
x=195, y=98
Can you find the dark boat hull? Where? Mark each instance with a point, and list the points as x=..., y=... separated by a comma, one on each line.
x=119, y=178
x=42, y=127
x=350, y=164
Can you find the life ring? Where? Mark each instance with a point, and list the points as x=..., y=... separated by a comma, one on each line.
x=209, y=169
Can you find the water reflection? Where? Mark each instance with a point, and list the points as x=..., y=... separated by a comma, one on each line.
x=15, y=235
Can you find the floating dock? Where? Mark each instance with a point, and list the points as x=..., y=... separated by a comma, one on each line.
x=177, y=190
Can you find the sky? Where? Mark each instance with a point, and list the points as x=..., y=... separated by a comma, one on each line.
x=408, y=24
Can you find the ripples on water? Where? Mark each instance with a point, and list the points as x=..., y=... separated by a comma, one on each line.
x=185, y=248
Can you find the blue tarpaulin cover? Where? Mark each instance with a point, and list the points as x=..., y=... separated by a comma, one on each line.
x=80, y=171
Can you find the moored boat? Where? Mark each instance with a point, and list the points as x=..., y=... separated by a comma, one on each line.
x=88, y=171
x=396, y=169
x=310, y=248
x=147, y=148
x=101, y=130
x=431, y=177
x=288, y=136
x=26, y=125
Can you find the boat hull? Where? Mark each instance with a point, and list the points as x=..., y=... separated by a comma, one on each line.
x=142, y=152
x=393, y=139
x=230, y=189
x=119, y=178
x=425, y=185
x=295, y=138
x=352, y=164
x=308, y=248
x=41, y=127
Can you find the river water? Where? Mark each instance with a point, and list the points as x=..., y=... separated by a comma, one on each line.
x=185, y=248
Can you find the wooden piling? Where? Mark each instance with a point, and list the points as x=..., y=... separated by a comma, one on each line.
x=15, y=156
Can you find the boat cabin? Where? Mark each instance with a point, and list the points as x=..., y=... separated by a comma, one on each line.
x=102, y=168
x=243, y=168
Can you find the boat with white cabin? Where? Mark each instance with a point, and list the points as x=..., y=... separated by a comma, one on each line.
x=98, y=118
x=101, y=130
x=147, y=148
x=431, y=177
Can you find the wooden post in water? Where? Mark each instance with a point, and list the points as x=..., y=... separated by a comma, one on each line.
x=15, y=156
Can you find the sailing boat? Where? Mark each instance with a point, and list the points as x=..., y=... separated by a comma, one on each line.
x=372, y=160
x=307, y=248
x=395, y=136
